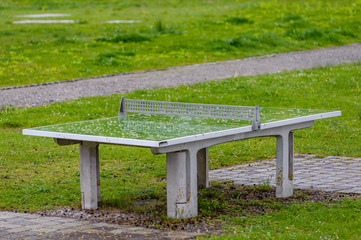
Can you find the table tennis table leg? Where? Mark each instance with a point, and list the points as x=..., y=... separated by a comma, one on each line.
x=284, y=165
x=182, y=184
x=202, y=162
x=89, y=175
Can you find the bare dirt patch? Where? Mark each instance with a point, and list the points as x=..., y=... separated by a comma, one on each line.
x=222, y=199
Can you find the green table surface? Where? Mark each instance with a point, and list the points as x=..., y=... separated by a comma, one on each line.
x=163, y=127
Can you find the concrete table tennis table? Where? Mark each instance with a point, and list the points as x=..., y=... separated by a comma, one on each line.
x=184, y=132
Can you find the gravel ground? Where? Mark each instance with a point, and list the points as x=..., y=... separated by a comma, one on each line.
x=34, y=95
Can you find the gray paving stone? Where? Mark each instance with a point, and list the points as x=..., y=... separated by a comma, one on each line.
x=329, y=174
x=7, y=215
x=353, y=185
x=16, y=230
x=17, y=221
x=13, y=236
x=8, y=225
x=118, y=231
x=43, y=221
x=72, y=224
x=4, y=233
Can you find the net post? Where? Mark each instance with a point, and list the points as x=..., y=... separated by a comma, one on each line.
x=122, y=111
x=256, y=122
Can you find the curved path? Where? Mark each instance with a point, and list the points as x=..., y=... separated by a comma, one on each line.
x=40, y=94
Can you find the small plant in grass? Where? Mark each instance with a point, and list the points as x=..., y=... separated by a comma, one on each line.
x=117, y=58
x=122, y=200
x=295, y=21
x=247, y=41
x=238, y=20
x=264, y=186
x=11, y=124
x=124, y=37
x=143, y=201
x=159, y=26
x=292, y=18
x=331, y=36
x=5, y=109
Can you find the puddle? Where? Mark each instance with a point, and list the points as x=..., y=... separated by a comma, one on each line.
x=43, y=21
x=44, y=15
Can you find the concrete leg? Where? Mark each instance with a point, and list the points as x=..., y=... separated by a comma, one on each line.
x=182, y=184
x=284, y=165
x=290, y=156
x=202, y=162
x=89, y=175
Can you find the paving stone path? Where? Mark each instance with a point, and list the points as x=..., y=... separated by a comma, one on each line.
x=340, y=174
x=32, y=226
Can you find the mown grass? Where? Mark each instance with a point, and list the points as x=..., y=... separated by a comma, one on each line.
x=37, y=174
x=170, y=33
x=301, y=221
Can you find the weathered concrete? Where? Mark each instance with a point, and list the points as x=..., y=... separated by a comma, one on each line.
x=89, y=175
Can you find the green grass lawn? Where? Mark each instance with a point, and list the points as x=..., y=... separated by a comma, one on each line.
x=170, y=33
x=305, y=221
x=37, y=174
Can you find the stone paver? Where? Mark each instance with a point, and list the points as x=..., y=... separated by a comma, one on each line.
x=30, y=226
x=340, y=174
